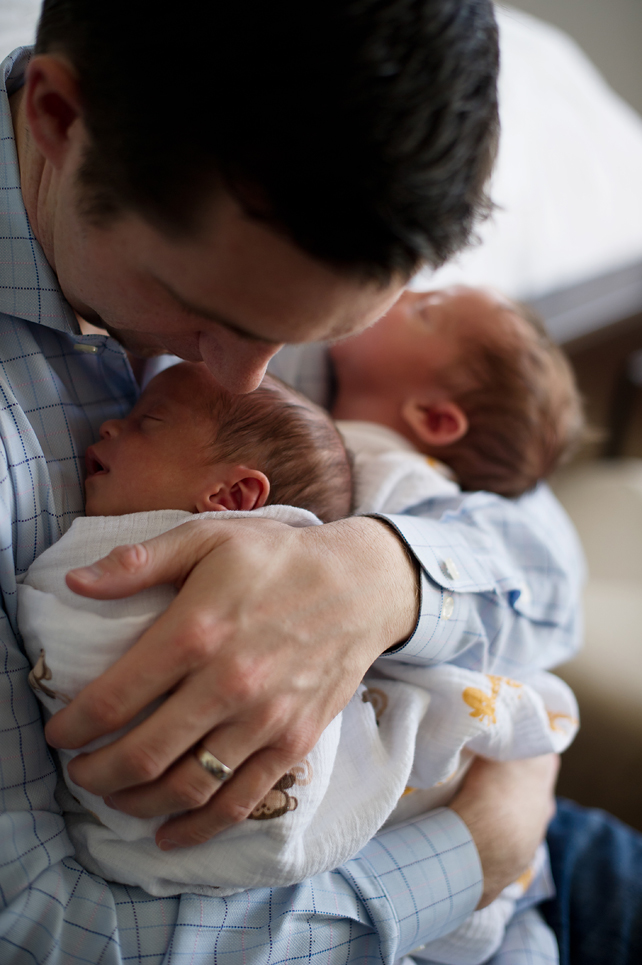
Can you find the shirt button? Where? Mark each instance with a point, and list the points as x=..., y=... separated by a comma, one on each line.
x=448, y=607
x=449, y=569
x=86, y=348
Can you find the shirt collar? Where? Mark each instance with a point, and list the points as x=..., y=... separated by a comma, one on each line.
x=29, y=287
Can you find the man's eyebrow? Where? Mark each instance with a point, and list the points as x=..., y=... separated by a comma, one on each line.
x=216, y=317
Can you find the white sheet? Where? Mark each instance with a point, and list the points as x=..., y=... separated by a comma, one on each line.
x=18, y=19
x=567, y=179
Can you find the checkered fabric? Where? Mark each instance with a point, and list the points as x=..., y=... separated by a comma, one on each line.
x=407, y=886
x=527, y=942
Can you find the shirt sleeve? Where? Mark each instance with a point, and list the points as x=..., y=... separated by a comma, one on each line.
x=407, y=886
x=501, y=582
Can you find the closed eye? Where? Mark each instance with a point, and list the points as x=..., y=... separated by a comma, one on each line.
x=147, y=418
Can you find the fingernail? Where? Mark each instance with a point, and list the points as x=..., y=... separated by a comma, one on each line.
x=110, y=803
x=166, y=845
x=52, y=741
x=88, y=574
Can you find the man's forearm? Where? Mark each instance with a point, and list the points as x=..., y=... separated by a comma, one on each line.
x=506, y=806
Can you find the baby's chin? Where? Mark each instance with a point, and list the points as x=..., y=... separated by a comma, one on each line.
x=110, y=510
x=103, y=497
x=91, y=509
x=105, y=505
x=102, y=505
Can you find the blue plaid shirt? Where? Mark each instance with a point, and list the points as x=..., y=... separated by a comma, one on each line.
x=408, y=885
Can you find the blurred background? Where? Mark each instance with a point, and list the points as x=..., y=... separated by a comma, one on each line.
x=609, y=32
x=566, y=235
x=605, y=497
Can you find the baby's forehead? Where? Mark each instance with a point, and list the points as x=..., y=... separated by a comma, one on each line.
x=189, y=390
x=186, y=383
x=478, y=305
x=488, y=317
x=461, y=307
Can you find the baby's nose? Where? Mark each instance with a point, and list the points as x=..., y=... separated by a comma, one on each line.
x=110, y=429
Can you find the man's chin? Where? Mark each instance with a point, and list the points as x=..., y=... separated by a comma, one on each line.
x=135, y=343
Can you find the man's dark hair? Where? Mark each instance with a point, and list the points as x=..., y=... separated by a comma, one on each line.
x=364, y=130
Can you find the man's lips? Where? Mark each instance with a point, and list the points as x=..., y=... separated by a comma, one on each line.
x=93, y=464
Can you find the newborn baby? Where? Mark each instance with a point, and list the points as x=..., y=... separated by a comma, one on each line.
x=464, y=376
x=188, y=447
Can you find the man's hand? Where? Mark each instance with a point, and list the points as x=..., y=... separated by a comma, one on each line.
x=507, y=807
x=267, y=640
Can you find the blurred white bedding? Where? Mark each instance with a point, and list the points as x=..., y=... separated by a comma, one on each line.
x=18, y=20
x=568, y=182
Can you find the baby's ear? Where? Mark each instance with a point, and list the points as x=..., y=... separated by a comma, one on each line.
x=435, y=423
x=241, y=488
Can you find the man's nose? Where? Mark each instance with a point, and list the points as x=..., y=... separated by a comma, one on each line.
x=110, y=429
x=238, y=364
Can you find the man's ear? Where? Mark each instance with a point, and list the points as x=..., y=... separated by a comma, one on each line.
x=52, y=105
x=435, y=423
x=241, y=488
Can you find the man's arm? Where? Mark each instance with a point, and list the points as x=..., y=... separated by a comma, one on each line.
x=408, y=885
x=268, y=639
x=420, y=881
x=260, y=682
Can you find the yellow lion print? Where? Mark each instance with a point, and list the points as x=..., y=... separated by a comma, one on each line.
x=554, y=717
x=484, y=705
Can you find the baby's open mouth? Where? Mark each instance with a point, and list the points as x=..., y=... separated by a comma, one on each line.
x=93, y=464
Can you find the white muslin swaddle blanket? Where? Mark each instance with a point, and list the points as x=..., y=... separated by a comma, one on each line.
x=398, y=749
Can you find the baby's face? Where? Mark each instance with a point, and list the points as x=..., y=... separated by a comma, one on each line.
x=156, y=457
x=422, y=336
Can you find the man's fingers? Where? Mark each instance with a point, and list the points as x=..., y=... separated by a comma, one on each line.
x=186, y=786
x=141, y=757
x=234, y=801
x=243, y=647
x=146, y=672
x=165, y=559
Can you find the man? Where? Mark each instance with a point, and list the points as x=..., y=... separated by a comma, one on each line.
x=324, y=151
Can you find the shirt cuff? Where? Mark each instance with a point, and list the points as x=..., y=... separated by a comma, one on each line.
x=443, y=612
x=419, y=880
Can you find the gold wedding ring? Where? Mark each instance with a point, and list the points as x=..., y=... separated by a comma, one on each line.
x=212, y=765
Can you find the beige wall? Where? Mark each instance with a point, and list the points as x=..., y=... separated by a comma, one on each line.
x=610, y=31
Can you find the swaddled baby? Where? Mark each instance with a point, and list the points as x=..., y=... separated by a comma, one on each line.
x=188, y=447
